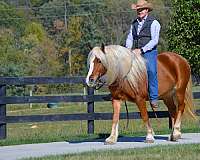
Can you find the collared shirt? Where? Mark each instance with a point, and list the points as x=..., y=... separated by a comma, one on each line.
x=140, y=24
x=155, y=32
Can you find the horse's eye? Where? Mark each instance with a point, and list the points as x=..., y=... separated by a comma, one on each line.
x=98, y=61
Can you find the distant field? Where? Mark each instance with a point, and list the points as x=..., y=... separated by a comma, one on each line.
x=23, y=133
x=177, y=152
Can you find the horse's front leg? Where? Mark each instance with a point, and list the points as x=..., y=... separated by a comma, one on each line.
x=112, y=139
x=141, y=103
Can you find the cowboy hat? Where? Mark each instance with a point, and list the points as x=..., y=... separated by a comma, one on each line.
x=142, y=4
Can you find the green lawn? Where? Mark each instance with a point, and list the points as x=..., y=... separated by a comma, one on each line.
x=176, y=152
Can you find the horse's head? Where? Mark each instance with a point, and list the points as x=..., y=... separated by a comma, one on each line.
x=96, y=68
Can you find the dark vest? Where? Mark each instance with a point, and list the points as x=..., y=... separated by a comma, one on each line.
x=144, y=36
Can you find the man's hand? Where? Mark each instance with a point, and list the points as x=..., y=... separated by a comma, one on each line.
x=137, y=52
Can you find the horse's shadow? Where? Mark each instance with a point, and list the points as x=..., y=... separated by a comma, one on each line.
x=102, y=137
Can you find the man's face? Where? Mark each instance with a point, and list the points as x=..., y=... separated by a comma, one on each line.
x=142, y=12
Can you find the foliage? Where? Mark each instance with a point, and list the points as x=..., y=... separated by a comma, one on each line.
x=91, y=34
x=12, y=60
x=49, y=12
x=11, y=18
x=44, y=59
x=44, y=35
x=184, y=31
x=163, y=13
x=117, y=19
x=40, y=59
x=34, y=34
x=37, y=3
x=73, y=31
x=78, y=64
x=37, y=29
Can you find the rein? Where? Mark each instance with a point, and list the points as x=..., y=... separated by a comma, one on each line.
x=100, y=85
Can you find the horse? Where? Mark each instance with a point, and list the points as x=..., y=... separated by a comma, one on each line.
x=126, y=76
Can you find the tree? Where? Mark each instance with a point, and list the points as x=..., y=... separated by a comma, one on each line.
x=13, y=61
x=184, y=31
x=37, y=3
x=11, y=18
x=43, y=57
x=49, y=12
x=34, y=34
x=44, y=60
x=162, y=11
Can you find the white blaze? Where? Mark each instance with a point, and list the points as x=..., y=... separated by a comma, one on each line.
x=90, y=70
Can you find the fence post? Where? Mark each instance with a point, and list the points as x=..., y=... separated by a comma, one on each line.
x=90, y=109
x=2, y=113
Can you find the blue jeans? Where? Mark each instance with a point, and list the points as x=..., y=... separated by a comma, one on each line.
x=151, y=64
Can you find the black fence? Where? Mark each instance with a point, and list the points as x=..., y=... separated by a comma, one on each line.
x=90, y=98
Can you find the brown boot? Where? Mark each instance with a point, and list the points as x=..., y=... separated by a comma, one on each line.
x=154, y=105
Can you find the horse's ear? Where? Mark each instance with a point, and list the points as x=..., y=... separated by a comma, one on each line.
x=89, y=46
x=103, y=48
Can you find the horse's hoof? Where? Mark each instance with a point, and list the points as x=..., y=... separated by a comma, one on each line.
x=149, y=138
x=174, y=138
x=149, y=141
x=110, y=140
x=178, y=136
x=109, y=143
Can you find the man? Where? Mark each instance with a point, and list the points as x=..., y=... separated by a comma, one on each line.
x=143, y=39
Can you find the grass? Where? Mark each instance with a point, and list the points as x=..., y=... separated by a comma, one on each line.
x=77, y=131
x=175, y=152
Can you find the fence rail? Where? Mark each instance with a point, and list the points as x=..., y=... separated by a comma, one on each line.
x=90, y=98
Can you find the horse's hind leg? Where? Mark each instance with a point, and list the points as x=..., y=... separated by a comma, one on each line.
x=169, y=101
x=141, y=103
x=180, y=96
x=112, y=139
x=183, y=77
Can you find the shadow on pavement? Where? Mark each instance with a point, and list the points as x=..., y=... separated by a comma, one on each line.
x=102, y=138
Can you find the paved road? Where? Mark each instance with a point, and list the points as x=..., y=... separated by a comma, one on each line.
x=38, y=150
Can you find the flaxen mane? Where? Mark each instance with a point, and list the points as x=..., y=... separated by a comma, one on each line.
x=121, y=62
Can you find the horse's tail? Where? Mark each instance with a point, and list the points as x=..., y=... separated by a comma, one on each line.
x=189, y=106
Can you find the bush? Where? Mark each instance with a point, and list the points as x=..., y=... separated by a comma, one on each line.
x=184, y=32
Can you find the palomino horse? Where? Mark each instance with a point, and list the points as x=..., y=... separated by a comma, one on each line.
x=125, y=74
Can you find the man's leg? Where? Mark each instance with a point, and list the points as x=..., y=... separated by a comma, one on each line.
x=151, y=58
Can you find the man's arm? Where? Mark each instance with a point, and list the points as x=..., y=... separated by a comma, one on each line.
x=155, y=32
x=129, y=39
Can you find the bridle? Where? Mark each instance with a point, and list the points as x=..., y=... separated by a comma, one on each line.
x=99, y=83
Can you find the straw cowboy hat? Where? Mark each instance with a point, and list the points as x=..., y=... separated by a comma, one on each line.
x=142, y=4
